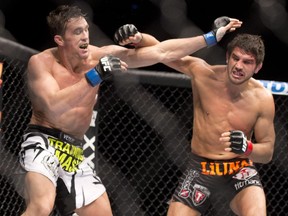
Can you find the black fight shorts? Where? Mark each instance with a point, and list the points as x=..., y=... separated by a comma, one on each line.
x=204, y=179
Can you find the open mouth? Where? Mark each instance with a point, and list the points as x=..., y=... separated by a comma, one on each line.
x=238, y=74
x=83, y=46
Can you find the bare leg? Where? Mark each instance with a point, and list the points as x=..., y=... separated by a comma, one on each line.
x=179, y=209
x=39, y=194
x=100, y=207
x=249, y=202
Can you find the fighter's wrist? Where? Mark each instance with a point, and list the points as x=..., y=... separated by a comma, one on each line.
x=249, y=148
x=210, y=38
x=93, y=77
x=135, y=44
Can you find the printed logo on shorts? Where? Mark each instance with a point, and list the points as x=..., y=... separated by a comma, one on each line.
x=185, y=189
x=245, y=173
x=51, y=164
x=245, y=177
x=223, y=168
x=200, y=194
x=69, y=156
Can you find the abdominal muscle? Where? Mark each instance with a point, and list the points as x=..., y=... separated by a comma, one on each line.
x=205, y=141
x=74, y=122
x=211, y=152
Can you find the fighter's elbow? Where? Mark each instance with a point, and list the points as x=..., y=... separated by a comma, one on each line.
x=268, y=158
x=168, y=57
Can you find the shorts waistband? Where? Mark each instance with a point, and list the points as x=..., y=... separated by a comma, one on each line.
x=198, y=158
x=219, y=167
x=55, y=133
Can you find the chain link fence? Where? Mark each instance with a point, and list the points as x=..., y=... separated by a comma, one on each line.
x=143, y=135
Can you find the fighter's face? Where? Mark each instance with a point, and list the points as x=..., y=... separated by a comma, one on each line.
x=241, y=66
x=76, y=36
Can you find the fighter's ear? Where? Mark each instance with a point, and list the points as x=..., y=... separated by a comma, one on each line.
x=258, y=68
x=58, y=40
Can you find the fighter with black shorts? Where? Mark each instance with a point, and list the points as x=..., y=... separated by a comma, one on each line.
x=204, y=179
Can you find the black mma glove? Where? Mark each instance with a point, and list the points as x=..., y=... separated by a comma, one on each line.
x=217, y=33
x=124, y=32
x=103, y=70
x=239, y=143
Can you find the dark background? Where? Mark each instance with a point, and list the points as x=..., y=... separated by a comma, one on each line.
x=25, y=22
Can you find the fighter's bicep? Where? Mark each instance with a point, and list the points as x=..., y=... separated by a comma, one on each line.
x=264, y=127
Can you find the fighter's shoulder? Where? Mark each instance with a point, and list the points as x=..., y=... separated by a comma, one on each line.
x=218, y=68
x=45, y=56
x=42, y=61
x=260, y=90
x=195, y=63
x=256, y=84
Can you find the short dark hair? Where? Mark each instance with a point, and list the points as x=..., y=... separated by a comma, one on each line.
x=57, y=19
x=250, y=44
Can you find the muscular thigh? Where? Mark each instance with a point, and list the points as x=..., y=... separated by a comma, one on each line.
x=250, y=201
x=180, y=209
x=39, y=188
x=99, y=207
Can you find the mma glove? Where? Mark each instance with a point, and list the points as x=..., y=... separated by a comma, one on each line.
x=124, y=32
x=239, y=143
x=217, y=32
x=103, y=70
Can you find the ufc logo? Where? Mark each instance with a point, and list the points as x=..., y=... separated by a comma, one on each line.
x=105, y=64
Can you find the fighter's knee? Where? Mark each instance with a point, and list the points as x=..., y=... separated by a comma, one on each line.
x=39, y=209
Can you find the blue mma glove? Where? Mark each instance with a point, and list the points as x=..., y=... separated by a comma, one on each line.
x=103, y=70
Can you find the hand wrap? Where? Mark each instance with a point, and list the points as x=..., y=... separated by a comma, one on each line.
x=103, y=70
x=214, y=36
x=239, y=143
